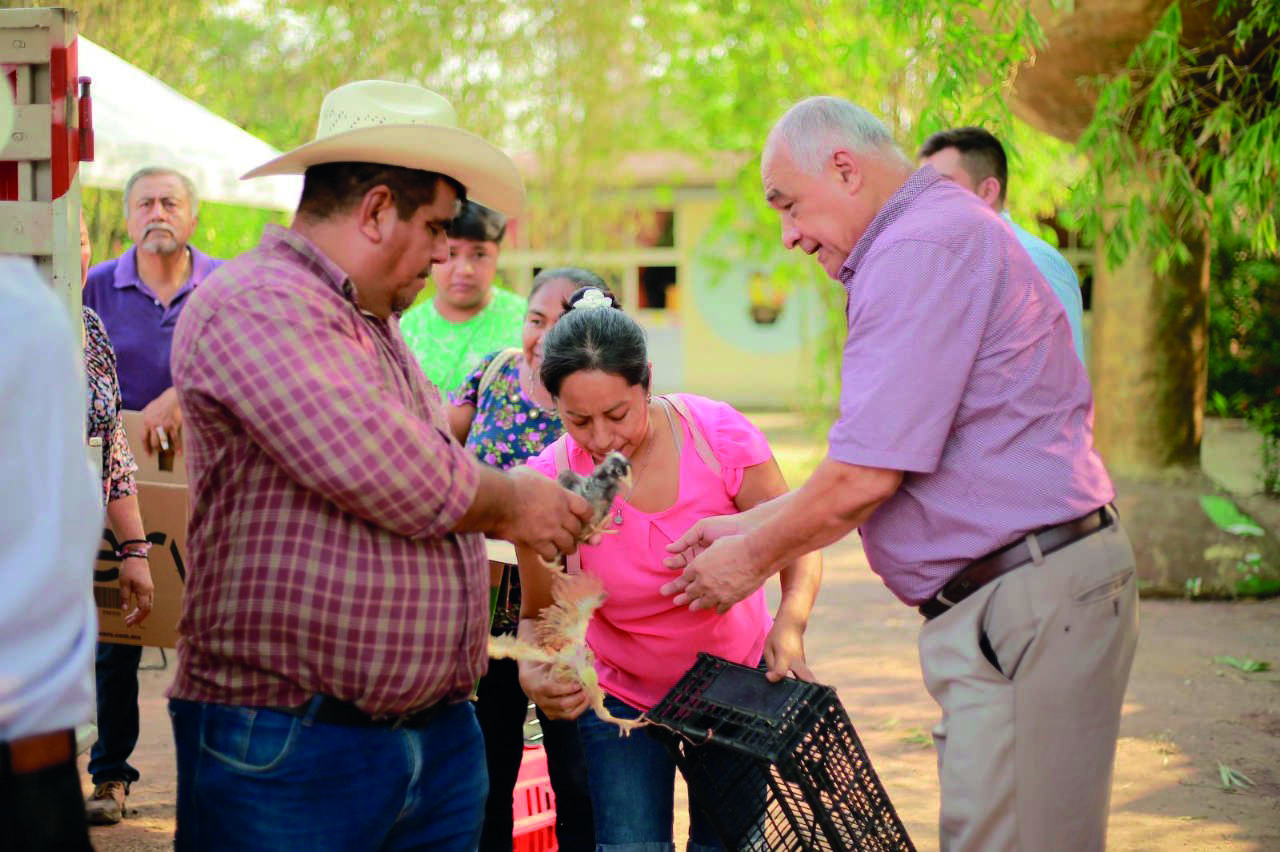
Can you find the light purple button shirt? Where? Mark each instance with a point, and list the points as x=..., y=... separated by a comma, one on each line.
x=960, y=371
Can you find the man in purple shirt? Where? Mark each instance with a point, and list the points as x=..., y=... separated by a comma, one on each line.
x=139, y=296
x=964, y=455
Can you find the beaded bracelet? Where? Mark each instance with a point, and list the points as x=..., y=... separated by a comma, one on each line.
x=121, y=553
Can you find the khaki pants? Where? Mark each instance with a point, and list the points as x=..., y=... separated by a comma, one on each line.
x=1025, y=749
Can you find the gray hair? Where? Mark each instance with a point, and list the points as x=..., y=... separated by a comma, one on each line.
x=816, y=126
x=159, y=171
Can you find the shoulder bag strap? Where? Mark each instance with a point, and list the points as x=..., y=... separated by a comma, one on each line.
x=501, y=360
x=699, y=439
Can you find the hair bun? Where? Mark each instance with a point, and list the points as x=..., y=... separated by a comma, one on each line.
x=591, y=299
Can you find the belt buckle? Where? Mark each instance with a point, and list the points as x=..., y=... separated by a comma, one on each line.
x=942, y=599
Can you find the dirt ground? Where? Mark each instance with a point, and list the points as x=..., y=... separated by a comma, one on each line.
x=1184, y=715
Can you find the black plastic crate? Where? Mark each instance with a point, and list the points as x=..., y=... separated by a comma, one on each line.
x=775, y=767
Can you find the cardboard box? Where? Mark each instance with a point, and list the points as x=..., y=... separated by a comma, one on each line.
x=162, y=497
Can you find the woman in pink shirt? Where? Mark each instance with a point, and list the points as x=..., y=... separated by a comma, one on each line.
x=691, y=458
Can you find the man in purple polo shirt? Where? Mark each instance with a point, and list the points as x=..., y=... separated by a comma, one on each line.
x=964, y=455
x=139, y=296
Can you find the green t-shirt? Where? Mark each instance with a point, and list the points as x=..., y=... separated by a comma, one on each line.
x=449, y=351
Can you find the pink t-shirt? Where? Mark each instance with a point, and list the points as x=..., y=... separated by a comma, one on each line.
x=643, y=643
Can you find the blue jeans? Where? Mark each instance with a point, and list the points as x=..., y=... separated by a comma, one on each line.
x=633, y=788
x=253, y=778
x=116, y=673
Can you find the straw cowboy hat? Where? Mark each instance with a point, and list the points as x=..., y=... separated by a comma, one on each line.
x=375, y=121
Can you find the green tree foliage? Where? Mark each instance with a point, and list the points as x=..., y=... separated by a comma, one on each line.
x=1244, y=345
x=1199, y=108
x=222, y=230
x=1244, y=327
x=578, y=85
x=581, y=83
x=1195, y=118
x=735, y=67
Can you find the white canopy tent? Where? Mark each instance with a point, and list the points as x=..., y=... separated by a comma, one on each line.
x=139, y=121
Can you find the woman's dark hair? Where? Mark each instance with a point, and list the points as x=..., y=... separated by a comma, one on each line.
x=595, y=338
x=479, y=223
x=584, y=278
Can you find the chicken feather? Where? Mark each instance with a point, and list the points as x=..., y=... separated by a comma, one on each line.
x=560, y=635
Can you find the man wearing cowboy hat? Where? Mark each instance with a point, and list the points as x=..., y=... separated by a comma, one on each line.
x=336, y=611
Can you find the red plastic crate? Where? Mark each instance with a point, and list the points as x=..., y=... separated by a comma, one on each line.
x=541, y=840
x=534, y=805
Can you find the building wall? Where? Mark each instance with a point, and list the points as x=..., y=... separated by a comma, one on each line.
x=707, y=342
x=727, y=354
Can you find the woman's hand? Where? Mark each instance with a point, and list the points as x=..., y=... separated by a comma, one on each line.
x=784, y=651
x=558, y=698
x=135, y=582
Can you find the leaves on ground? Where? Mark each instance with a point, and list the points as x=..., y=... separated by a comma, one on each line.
x=1233, y=779
x=1245, y=665
x=1227, y=517
x=918, y=737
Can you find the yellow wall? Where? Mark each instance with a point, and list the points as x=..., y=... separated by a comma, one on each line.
x=734, y=370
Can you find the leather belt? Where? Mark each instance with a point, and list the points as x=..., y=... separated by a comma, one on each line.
x=332, y=711
x=41, y=751
x=978, y=573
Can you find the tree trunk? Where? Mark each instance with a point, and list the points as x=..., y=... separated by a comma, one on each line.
x=1148, y=360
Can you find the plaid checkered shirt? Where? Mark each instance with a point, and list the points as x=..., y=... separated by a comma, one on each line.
x=323, y=484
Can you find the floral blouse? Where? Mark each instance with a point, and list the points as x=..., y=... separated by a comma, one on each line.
x=507, y=430
x=105, y=420
x=508, y=427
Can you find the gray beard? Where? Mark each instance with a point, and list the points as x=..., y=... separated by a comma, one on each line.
x=162, y=243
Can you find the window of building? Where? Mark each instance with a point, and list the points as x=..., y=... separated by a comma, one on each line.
x=657, y=287
x=655, y=228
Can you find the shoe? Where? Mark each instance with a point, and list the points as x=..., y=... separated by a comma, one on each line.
x=106, y=805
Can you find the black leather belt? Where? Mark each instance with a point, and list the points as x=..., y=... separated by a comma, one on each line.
x=331, y=711
x=978, y=573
